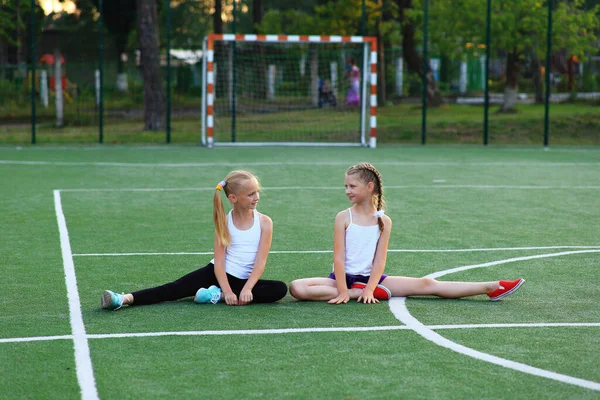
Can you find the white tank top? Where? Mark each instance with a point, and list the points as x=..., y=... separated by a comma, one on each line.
x=361, y=243
x=240, y=255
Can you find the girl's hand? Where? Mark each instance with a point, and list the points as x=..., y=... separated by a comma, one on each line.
x=367, y=297
x=342, y=298
x=230, y=298
x=245, y=297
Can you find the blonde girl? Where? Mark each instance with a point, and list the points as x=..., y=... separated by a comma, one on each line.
x=242, y=241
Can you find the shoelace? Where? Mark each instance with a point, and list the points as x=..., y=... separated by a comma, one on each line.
x=215, y=297
x=120, y=298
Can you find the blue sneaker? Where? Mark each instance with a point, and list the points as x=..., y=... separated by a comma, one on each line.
x=210, y=295
x=112, y=300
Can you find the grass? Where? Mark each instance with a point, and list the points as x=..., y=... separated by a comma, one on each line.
x=570, y=124
x=440, y=198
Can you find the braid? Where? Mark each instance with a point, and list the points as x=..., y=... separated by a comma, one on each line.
x=368, y=173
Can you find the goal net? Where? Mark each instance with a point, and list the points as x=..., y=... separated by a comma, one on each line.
x=289, y=90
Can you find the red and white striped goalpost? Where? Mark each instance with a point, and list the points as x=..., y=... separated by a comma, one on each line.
x=208, y=83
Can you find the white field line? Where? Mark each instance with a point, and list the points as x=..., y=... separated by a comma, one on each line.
x=301, y=330
x=83, y=361
x=518, y=325
x=509, y=260
x=36, y=339
x=400, y=311
x=404, y=187
x=297, y=163
x=84, y=148
x=205, y=253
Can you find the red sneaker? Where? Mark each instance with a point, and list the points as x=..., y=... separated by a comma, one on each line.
x=380, y=292
x=506, y=288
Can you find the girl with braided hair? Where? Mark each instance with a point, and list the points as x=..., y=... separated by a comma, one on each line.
x=242, y=243
x=360, y=244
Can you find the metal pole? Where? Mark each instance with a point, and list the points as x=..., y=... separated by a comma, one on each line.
x=33, y=62
x=425, y=70
x=363, y=19
x=204, y=75
x=363, y=82
x=548, y=52
x=168, y=33
x=233, y=82
x=101, y=74
x=487, y=72
x=363, y=96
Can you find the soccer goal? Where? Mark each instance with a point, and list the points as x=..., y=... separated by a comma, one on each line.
x=289, y=90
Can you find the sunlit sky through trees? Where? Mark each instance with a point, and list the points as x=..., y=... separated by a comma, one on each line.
x=69, y=6
x=56, y=6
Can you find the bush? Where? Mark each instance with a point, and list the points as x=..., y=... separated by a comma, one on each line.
x=13, y=91
x=591, y=81
x=414, y=85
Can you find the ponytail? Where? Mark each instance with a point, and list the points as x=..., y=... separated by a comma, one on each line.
x=232, y=183
x=219, y=217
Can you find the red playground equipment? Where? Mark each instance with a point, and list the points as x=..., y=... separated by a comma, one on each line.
x=48, y=59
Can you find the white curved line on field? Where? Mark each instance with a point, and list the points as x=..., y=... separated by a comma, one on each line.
x=400, y=311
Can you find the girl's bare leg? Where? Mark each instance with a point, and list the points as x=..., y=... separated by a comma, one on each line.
x=318, y=289
x=404, y=286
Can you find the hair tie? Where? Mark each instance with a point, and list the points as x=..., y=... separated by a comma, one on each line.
x=221, y=185
x=379, y=213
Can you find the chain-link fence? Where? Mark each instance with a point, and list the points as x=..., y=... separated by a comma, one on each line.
x=81, y=88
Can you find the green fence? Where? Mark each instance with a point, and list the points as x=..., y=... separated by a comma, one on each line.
x=557, y=95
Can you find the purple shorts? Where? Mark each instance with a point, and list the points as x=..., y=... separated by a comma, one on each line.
x=351, y=279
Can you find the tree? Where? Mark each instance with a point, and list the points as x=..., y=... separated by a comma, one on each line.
x=191, y=20
x=19, y=25
x=219, y=51
x=260, y=67
x=410, y=15
x=14, y=17
x=8, y=10
x=518, y=28
x=217, y=17
x=119, y=19
x=345, y=17
x=7, y=30
x=154, y=97
x=388, y=32
x=258, y=12
x=341, y=17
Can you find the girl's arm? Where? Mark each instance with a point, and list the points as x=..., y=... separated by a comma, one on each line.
x=339, y=258
x=378, y=262
x=230, y=297
x=264, y=246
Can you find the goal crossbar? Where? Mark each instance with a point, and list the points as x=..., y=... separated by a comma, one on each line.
x=369, y=70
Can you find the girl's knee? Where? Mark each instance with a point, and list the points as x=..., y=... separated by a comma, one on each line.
x=281, y=290
x=269, y=291
x=428, y=284
x=298, y=289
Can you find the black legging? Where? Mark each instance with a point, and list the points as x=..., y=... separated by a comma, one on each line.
x=265, y=291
